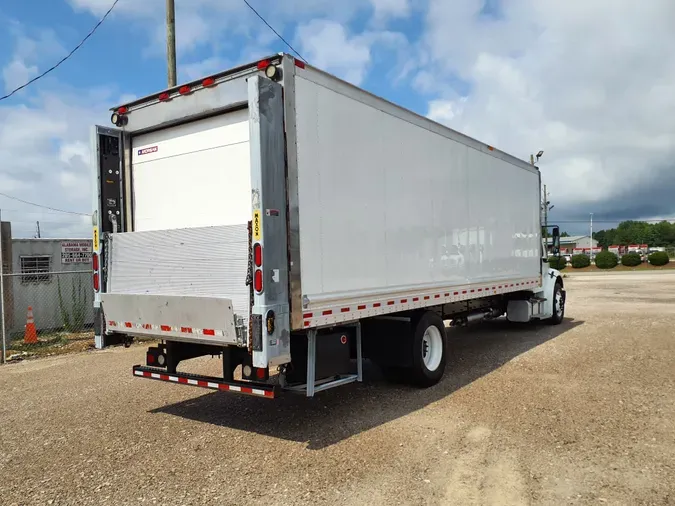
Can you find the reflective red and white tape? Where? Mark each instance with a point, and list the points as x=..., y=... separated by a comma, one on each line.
x=206, y=384
x=345, y=313
x=128, y=326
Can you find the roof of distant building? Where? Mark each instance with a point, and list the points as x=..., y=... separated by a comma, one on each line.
x=569, y=240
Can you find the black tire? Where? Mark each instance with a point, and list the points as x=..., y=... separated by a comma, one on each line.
x=558, y=305
x=421, y=374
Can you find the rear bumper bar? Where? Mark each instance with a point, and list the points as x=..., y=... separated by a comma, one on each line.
x=255, y=389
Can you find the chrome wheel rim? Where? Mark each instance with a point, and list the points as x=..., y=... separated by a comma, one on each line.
x=432, y=348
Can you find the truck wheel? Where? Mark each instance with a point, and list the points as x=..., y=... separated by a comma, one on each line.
x=429, y=350
x=558, y=305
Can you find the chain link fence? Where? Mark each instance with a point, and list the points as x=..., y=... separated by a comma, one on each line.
x=47, y=312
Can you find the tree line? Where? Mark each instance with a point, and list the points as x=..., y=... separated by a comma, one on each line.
x=638, y=232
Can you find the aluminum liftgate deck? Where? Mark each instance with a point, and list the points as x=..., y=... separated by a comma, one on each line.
x=262, y=389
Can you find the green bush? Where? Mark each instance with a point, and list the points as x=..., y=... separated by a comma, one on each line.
x=606, y=260
x=631, y=260
x=658, y=258
x=557, y=263
x=580, y=261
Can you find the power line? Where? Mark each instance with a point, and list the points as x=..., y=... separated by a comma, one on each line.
x=615, y=221
x=65, y=57
x=42, y=222
x=275, y=32
x=34, y=213
x=44, y=207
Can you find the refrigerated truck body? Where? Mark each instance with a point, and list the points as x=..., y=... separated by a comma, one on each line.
x=288, y=221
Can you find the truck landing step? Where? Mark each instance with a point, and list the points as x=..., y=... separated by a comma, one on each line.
x=256, y=389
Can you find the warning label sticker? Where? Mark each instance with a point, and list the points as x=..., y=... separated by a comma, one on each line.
x=257, y=225
x=145, y=151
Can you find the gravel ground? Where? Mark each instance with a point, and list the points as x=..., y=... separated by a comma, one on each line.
x=582, y=413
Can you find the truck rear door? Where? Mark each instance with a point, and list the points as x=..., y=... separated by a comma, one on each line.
x=197, y=174
x=204, y=187
x=190, y=189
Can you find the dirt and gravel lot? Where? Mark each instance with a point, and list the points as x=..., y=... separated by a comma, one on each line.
x=582, y=413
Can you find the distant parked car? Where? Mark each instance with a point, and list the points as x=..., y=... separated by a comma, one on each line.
x=452, y=257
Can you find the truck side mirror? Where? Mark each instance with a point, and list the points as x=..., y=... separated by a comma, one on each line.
x=556, y=240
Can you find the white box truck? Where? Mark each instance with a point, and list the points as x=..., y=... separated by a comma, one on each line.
x=287, y=221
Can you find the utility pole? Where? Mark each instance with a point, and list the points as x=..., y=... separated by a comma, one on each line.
x=546, y=202
x=533, y=159
x=2, y=298
x=38, y=229
x=591, y=237
x=171, y=41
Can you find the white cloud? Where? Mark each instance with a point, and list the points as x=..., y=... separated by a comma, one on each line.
x=125, y=98
x=327, y=45
x=391, y=8
x=17, y=73
x=29, y=51
x=195, y=70
x=229, y=27
x=44, y=145
x=445, y=111
x=46, y=158
x=212, y=23
x=100, y=7
x=44, y=141
x=593, y=84
x=69, y=152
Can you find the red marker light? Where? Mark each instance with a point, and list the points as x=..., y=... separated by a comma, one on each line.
x=263, y=64
x=300, y=64
x=185, y=90
x=122, y=110
x=96, y=282
x=258, y=281
x=257, y=254
x=209, y=81
x=94, y=261
x=163, y=97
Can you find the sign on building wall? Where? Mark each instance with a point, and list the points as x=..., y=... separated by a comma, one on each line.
x=75, y=252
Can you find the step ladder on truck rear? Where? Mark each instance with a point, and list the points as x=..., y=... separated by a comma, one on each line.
x=294, y=225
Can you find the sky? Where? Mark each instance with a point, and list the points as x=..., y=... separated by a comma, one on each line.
x=592, y=84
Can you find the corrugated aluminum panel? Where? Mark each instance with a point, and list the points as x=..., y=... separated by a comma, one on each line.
x=204, y=261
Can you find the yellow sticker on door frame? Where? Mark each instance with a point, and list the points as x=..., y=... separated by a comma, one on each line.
x=95, y=239
x=257, y=225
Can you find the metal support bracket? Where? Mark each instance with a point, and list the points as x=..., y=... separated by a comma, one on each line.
x=241, y=328
x=313, y=386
